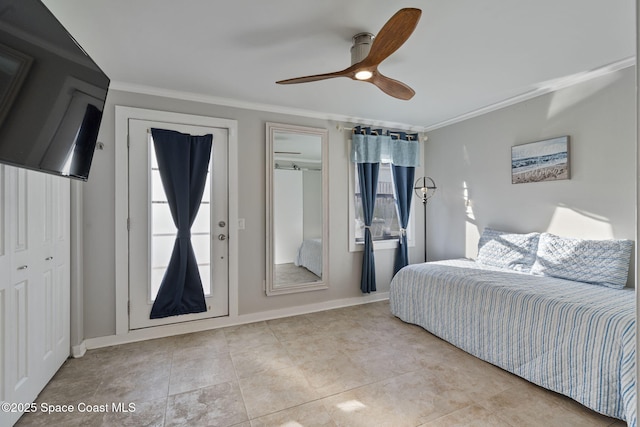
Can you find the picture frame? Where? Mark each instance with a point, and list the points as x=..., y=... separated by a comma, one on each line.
x=14, y=66
x=546, y=160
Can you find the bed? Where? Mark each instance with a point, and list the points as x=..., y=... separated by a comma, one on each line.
x=310, y=256
x=574, y=338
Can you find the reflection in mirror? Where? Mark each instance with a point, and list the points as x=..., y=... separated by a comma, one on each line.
x=296, y=208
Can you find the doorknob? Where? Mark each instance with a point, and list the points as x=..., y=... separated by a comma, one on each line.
x=222, y=237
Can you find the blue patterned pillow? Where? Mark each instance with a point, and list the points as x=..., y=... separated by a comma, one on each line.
x=600, y=262
x=507, y=250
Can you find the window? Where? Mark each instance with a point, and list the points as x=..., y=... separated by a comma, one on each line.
x=385, y=228
x=163, y=231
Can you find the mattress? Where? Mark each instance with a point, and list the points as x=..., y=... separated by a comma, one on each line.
x=573, y=338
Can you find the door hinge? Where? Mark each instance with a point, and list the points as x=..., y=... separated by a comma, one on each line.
x=128, y=224
x=128, y=307
x=128, y=138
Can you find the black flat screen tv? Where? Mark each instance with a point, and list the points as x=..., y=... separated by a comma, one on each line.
x=51, y=93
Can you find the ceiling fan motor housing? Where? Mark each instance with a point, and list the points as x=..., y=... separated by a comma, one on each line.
x=361, y=47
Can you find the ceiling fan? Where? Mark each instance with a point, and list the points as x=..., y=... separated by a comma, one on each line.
x=368, y=51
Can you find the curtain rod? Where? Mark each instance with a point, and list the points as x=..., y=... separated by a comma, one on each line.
x=295, y=168
x=424, y=137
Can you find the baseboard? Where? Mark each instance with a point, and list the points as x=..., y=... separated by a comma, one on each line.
x=221, y=322
x=78, y=350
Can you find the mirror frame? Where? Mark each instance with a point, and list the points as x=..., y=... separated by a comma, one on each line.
x=270, y=287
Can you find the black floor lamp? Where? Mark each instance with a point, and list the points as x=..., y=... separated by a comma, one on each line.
x=425, y=188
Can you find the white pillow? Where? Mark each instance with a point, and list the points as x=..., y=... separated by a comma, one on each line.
x=507, y=250
x=600, y=262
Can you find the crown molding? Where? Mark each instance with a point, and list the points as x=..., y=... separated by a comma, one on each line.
x=246, y=105
x=542, y=89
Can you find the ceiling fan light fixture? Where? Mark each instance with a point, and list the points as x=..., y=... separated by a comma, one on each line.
x=368, y=51
x=364, y=75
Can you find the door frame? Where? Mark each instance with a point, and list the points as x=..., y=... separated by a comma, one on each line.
x=122, y=116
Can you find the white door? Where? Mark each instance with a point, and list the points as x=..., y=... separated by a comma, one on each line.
x=21, y=292
x=152, y=231
x=49, y=255
x=34, y=292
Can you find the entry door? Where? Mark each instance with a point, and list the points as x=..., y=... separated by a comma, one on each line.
x=152, y=231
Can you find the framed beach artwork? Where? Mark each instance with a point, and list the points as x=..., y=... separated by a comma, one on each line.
x=546, y=160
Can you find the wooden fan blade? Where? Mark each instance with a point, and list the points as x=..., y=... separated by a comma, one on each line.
x=392, y=87
x=347, y=72
x=393, y=35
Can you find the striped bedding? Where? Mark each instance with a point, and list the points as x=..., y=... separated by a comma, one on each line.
x=573, y=338
x=310, y=256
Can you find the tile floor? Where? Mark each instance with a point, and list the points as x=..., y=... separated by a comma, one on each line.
x=357, y=366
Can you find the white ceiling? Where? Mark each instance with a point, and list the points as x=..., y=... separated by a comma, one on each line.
x=465, y=55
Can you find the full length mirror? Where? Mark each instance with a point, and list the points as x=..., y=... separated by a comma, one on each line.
x=297, y=213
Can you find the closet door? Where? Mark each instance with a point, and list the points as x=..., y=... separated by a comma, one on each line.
x=5, y=287
x=48, y=220
x=34, y=283
x=20, y=294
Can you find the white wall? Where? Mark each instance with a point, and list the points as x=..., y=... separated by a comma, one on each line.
x=312, y=204
x=99, y=220
x=598, y=202
x=470, y=162
x=287, y=215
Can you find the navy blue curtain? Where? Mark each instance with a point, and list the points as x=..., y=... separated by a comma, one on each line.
x=368, y=179
x=183, y=161
x=403, y=183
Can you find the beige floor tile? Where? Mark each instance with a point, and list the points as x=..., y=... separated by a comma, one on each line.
x=405, y=400
x=479, y=379
x=308, y=415
x=334, y=321
x=203, y=369
x=213, y=341
x=92, y=364
x=139, y=351
x=291, y=328
x=142, y=383
x=336, y=374
x=470, y=416
x=220, y=405
x=355, y=366
x=246, y=337
x=313, y=348
x=529, y=405
x=268, y=357
x=148, y=414
x=274, y=391
x=573, y=406
x=66, y=389
x=124, y=361
x=393, y=359
x=74, y=419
